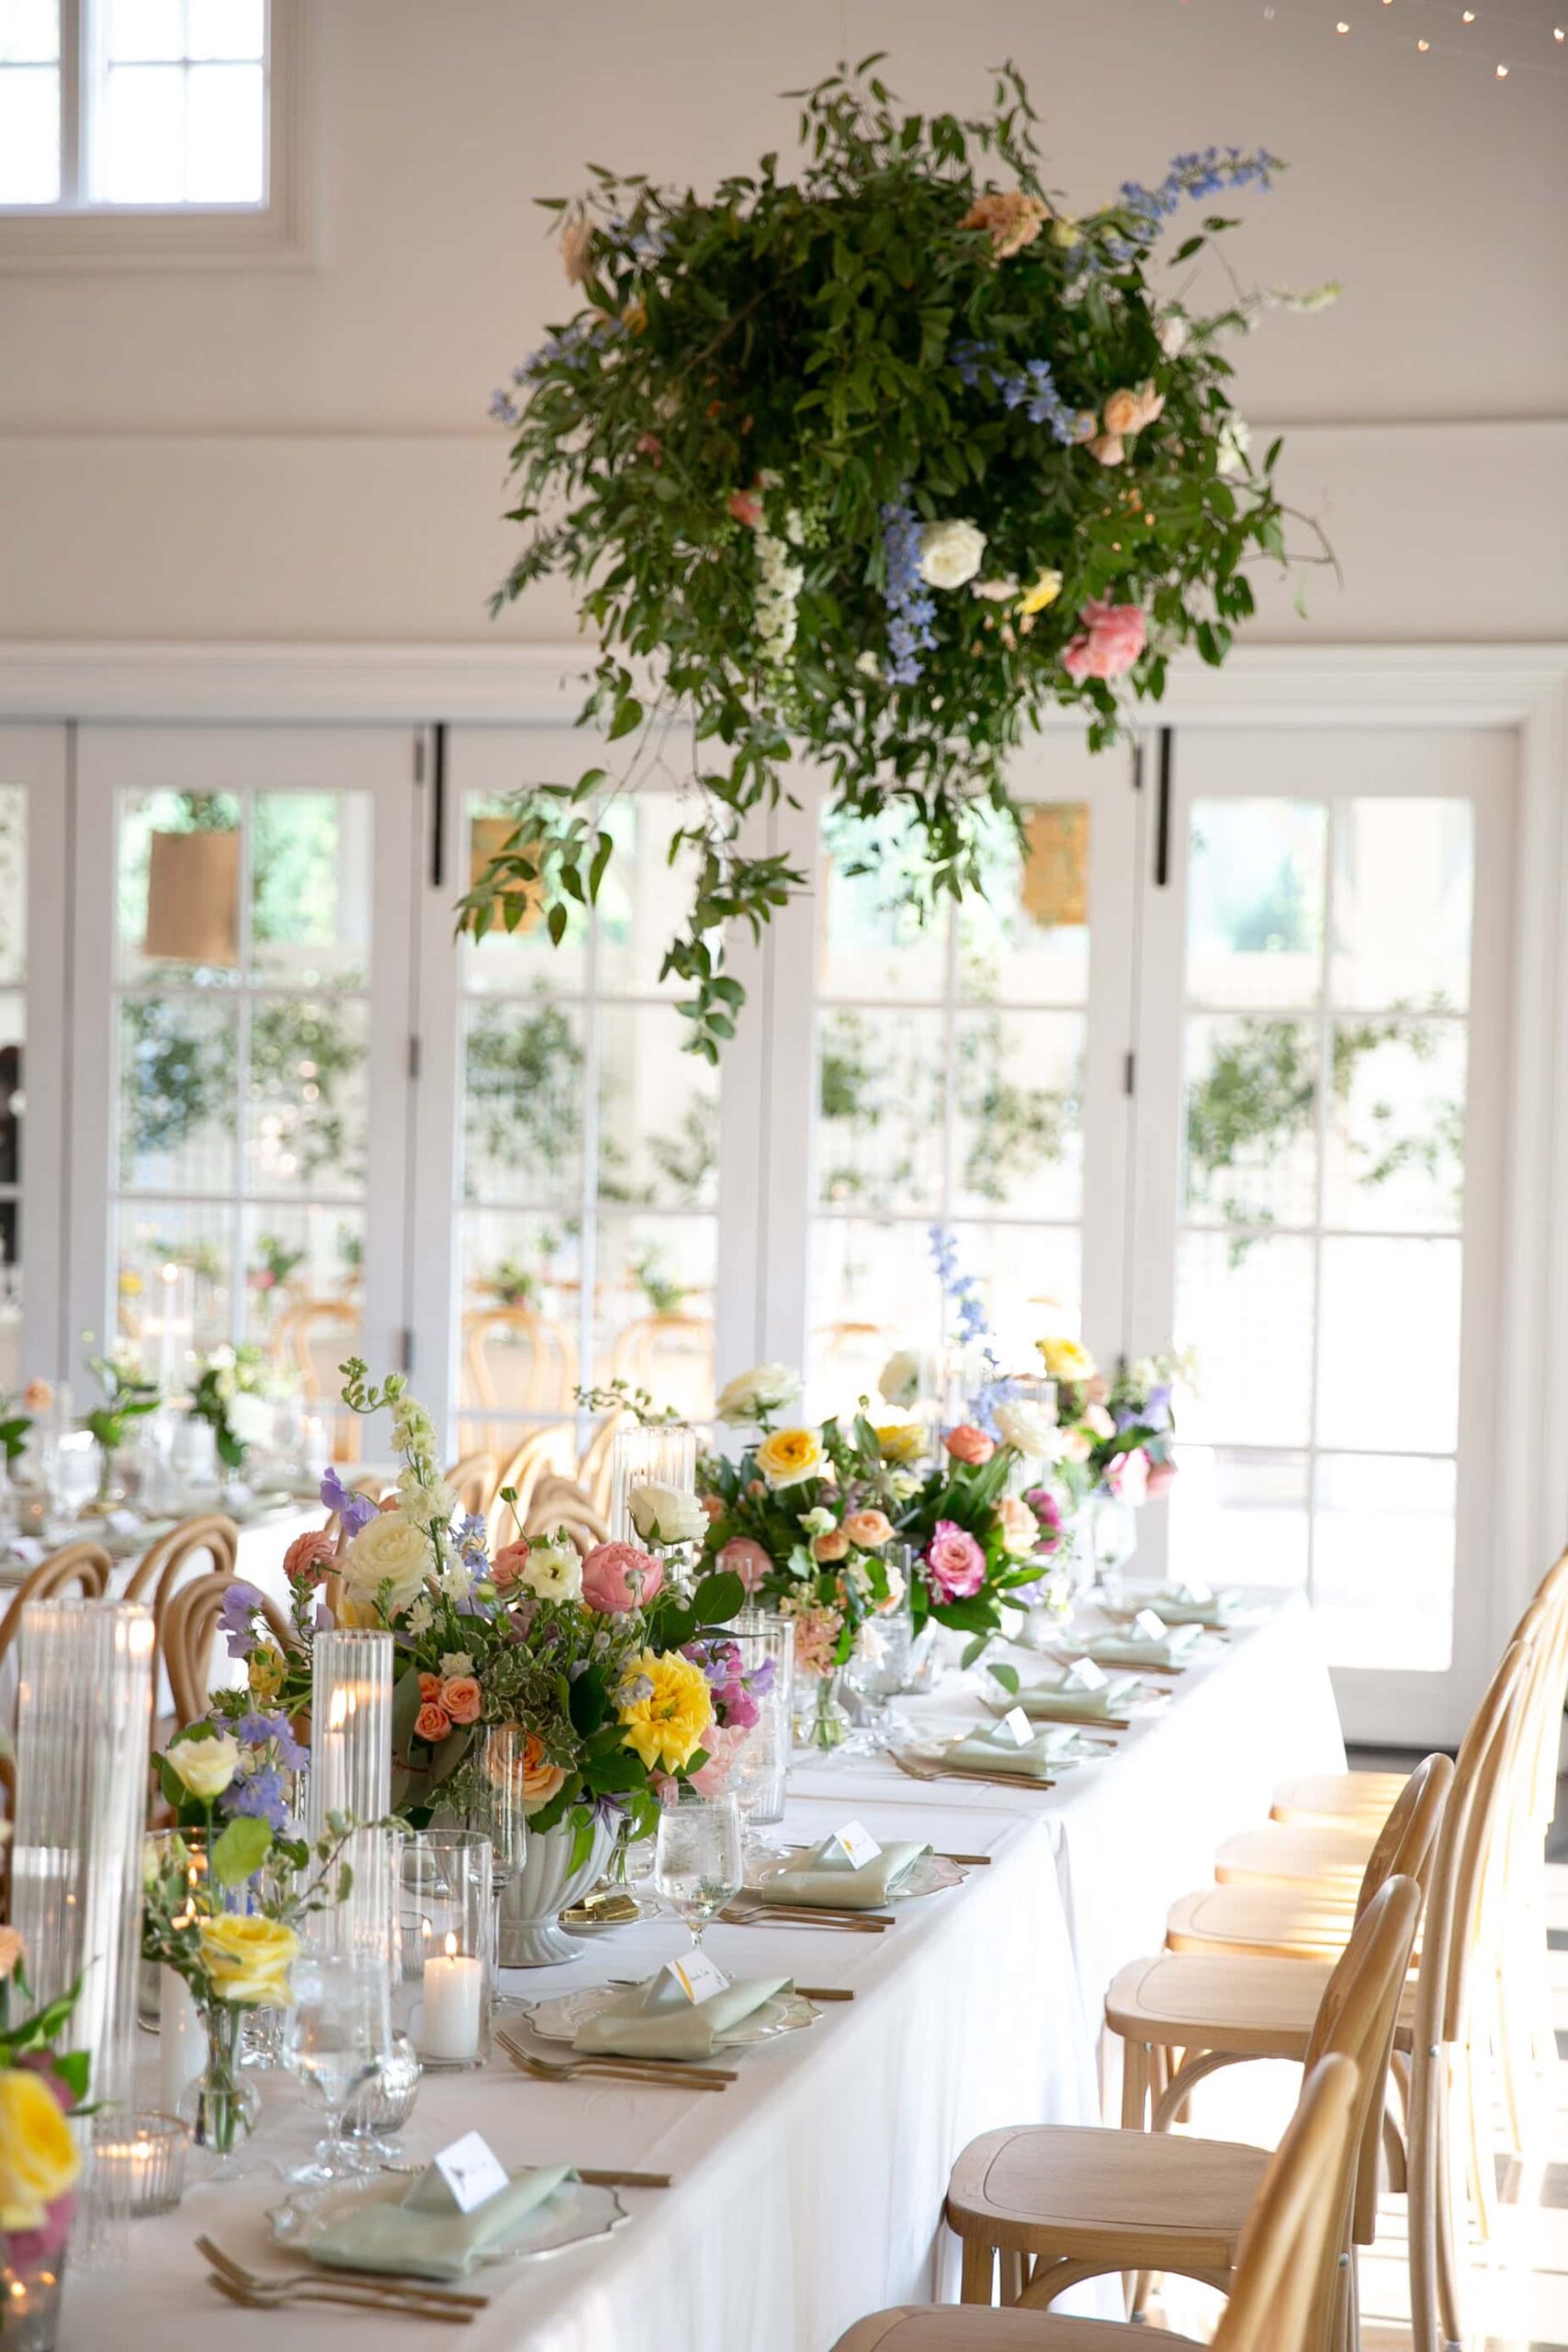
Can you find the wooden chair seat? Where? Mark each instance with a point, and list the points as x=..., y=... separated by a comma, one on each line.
x=1328, y=1798
x=1280, y=1855
x=1250, y=2009
x=1275, y=1922
x=1121, y=2199
x=965, y=2327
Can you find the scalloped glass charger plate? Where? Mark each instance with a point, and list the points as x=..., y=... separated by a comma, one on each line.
x=559, y=2019
x=927, y=1874
x=578, y=2211
x=939, y=1752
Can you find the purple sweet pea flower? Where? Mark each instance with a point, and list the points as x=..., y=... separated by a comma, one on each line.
x=240, y=1603
x=354, y=1511
x=259, y=1797
x=257, y=1730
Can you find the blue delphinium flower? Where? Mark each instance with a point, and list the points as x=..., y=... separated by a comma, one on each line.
x=961, y=1290
x=260, y=1731
x=1031, y=388
x=257, y=1796
x=1210, y=173
x=911, y=607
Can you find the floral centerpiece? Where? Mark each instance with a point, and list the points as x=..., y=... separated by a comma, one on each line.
x=1117, y=1435
x=235, y=1394
x=40, y=2084
x=128, y=1398
x=877, y=462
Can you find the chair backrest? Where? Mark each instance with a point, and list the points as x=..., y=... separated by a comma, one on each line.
x=1469, y=1885
x=540, y=1452
x=515, y=1362
x=1407, y=1840
x=595, y=1469
x=566, y=1509
x=188, y=1631
x=163, y=1564
x=1356, y=2018
x=83, y=1564
x=473, y=1481
x=1289, y=2253
x=671, y=1357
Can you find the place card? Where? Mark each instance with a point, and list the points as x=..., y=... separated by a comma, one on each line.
x=1150, y=1626
x=472, y=2171
x=696, y=1977
x=1084, y=1674
x=123, y=1522
x=1192, y=1593
x=854, y=1844
x=27, y=1549
x=1017, y=1726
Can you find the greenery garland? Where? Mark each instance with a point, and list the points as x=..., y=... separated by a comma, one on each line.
x=875, y=465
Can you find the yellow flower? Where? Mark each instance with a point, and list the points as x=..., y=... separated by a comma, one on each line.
x=265, y=1675
x=667, y=1726
x=790, y=1455
x=900, y=1440
x=38, y=2154
x=1067, y=1359
x=1045, y=591
x=248, y=1958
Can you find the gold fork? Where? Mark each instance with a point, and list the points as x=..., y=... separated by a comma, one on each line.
x=980, y=1780
x=371, y=2282
x=750, y=1911
x=609, y=2067
x=304, y=2291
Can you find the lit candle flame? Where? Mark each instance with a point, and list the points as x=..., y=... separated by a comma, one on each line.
x=451, y=1947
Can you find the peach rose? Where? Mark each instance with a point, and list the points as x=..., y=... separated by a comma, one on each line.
x=1162, y=1477
x=38, y=1395
x=1020, y=1531
x=509, y=1563
x=431, y=1722
x=1010, y=219
x=869, y=1529
x=1108, y=448
x=618, y=1576
x=966, y=1444
x=540, y=1780
x=713, y=1505
x=745, y=1558
x=461, y=1699
x=1122, y=412
x=430, y=1690
x=833, y=1546
x=309, y=1555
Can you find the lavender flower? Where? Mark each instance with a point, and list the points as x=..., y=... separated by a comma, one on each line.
x=911, y=607
x=239, y=1604
x=354, y=1511
x=257, y=1796
x=259, y=1730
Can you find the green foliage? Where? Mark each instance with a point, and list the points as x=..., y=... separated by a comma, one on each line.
x=709, y=447
x=180, y=1068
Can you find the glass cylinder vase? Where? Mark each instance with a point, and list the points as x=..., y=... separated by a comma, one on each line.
x=759, y=1774
x=664, y=1454
x=84, y=1712
x=444, y=1979
x=351, y=1774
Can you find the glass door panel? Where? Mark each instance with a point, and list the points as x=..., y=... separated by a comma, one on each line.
x=33, y=790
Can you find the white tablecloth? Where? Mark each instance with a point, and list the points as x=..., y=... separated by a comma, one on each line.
x=811, y=2190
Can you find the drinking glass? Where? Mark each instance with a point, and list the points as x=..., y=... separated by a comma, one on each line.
x=760, y=1774
x=73, y=1472
x=698, y=1866
x=339, y=2040
x=880, y=1667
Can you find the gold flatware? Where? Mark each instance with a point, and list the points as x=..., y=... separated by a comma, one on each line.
x=626, y=2180
x=371, y=2281
x=351, y=2298
x=978, y=1779
x=746, y=1911
x=978, y=1862
x=824, y=1992
x=610, y=2064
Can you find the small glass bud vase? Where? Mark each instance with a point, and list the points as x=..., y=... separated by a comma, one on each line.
x=30, y=2288
x=444, y=1980
x=821, y=1719
x=220, y=2107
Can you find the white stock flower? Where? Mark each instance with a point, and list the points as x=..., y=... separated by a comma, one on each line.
x=663, y=1514
x=765, y=1389
x=1171, y=331
x=1028, y=1427
x=389, y=1549
x=456, y=1662
x=554, y=1571
x=1235, y=440
x=950, y=553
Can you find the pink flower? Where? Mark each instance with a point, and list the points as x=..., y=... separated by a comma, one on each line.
x=966, y=1444
x=1110, y=641
x=1128, y=1479
x=746, y=1559
x=460, y=1697
x=722, y=1743
x=618, y=1576
x=832, y=1545
x=1020, y=1530
x=309, y=1556
x=869, y=1529
x=1162, y=1477
x=509, y=1563
x=745, y=507
x=956, y=1563
x=817, y=1631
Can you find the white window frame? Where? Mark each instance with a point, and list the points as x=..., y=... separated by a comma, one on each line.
x=78, y=232
x=36, y=760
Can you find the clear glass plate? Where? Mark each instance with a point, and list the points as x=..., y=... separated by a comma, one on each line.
x=559, y=2020
x=577, y=2210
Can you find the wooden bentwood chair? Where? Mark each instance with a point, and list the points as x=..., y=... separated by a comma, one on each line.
x=84, y=1565
x=1286, y=2258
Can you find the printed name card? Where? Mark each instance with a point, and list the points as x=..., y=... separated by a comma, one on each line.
x=854, y=1844
x=1196, y=1595
x=695, y=1976
x=27, y=1550
x=1015, y=1725
x=472, y=2171
x=1085, y=1675
x=1150, y=1626
x=123, y=1522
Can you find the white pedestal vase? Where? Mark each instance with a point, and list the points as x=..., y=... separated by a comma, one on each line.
x=541, y=1886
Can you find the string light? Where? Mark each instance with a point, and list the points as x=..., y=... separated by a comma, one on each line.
x=1423, y=45
x=1467, y=17
x=1341, y=26
x=1502, y=73
x=1557, y=33
x=1507, y=22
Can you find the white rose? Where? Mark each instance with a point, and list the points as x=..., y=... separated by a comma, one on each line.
x=765, y=1389
x=950, y=553
x=666, y=1514
x=1028, y=1427
x=206, y=1766
x=554, y=1571
x=456, y=1662
x=389, y=1549
x=250, y=1418
x=905, y=1376
x=818, y=1522
x=1171, y=331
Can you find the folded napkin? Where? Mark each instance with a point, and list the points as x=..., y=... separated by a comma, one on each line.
x=996, y=1750
x=654, y=2020
x=418, y=2233
x=1198, y=1606
x=1057, y=1699
x=1173, y=1648
x=817, y=1878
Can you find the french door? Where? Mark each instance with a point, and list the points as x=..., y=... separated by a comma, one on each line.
x=1322, y=1049
x=33, y=854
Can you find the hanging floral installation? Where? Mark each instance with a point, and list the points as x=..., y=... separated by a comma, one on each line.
x=870, y=466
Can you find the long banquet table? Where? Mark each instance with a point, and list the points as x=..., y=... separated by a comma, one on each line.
x=810, y=2191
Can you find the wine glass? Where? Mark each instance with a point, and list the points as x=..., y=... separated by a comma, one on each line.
x=698, y=1862
x=339, y=2040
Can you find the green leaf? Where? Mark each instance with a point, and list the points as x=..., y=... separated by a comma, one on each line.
x=627, y=719
x=241, y=1850
x=1005, y=1675
x=719, y=1597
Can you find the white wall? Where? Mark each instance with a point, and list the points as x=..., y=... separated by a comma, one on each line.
x=302, y=453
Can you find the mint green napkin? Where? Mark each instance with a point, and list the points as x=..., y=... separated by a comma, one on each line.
x=646, y=2021
x=1048, y=1701
x=994, y=1750
x=418, y=2233
x=1181, y=1609
x=1174, y=1647
x=810, y=1878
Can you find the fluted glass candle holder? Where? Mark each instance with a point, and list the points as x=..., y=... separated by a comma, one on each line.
x=446, y=1919
x=664, y=1453
x=351, y=1773
x=759, y=1774
x=84, y=1712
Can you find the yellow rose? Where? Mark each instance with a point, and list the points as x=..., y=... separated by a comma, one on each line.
x=205, y=1765
x=38, y=2154
x=900, y=1440
x=248, y=1958
x=266, y=1674
x=389, y=1549
x=1045, y=591
x=790, y=1455
x=1067, y=1359
x=667, y=1725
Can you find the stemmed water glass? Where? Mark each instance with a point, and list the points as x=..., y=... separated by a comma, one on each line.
x=339, y=2040
x=698, y=1863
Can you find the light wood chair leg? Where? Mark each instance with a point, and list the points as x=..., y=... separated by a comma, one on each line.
x=1483, y=2171
x=1134, y=2086
x=1011, y=2279
x=1448, y=2239
x=974, y=2278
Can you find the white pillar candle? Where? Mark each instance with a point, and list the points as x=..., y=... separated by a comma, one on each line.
x=182, y=2039
x=454, y=1985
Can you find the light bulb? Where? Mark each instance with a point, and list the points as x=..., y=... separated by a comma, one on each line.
x=1423, y=45
x=1341, y=26
x=1502, y=73
x=1467, y=17
x=1557, y=33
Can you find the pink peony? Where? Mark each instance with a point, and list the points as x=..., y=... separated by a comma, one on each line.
x=966, y=1444
x=619, y=1576
x=1128, y=1479
x=1162, y=1477
x=1110, y=641
x=955, y=1562
x=509, y=1563
x=746, y=1559
x=722, y=1743
x=461, y=1699
x=309, y=1556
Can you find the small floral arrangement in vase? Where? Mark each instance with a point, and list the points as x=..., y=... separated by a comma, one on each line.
x=1116, y=1444
x=40, y=2165
x=234, y=1395
x=127, y=1398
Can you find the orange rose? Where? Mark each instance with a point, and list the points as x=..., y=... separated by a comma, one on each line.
x=509, y=1563
x=540, y=1780
x=713, y=1505
x=1122, y=412
x=461, y=1699
x=834, y=1545
x=431, y=1722
x=966, y=1444
x=1108, y=448
x=313, y=1552
x=870, y=1529
x=430, y=1690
